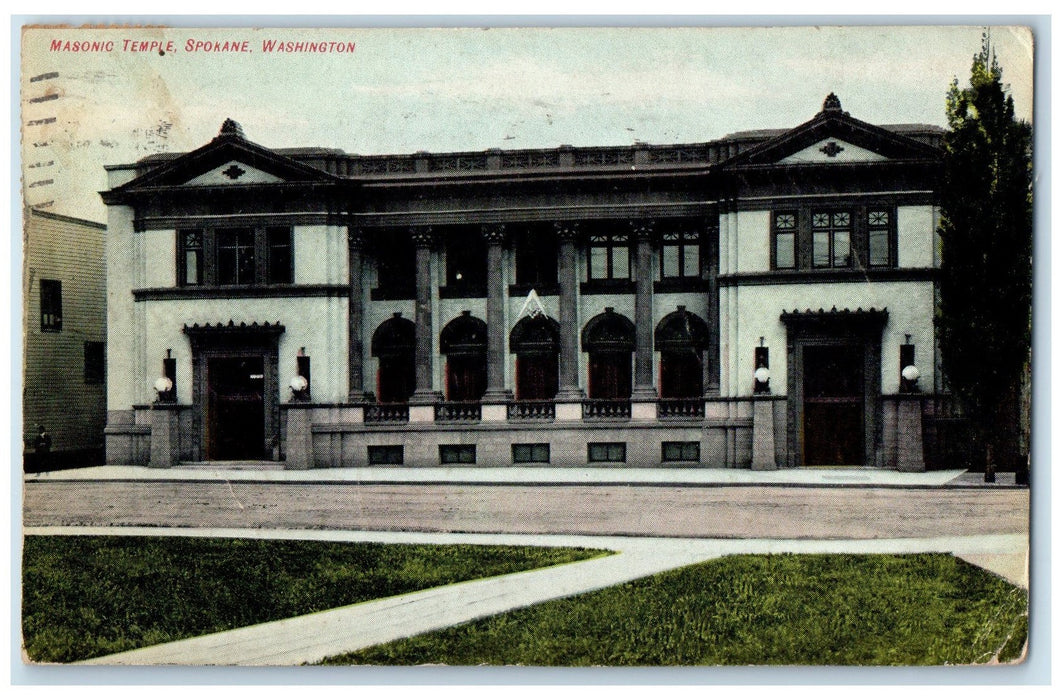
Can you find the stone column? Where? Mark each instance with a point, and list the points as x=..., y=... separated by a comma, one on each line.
x=910, y=455
x=568, y=280
x=763, y=434
x=165, y=436
x=494, y=234
x=355, y=312
x=300, y=438
x=643, y=313
x=424, y=239
x=710, y=272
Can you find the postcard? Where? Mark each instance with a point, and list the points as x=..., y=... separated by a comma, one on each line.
x=541, y=346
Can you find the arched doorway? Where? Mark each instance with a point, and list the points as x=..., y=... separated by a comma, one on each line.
x=464, y=342
x=608, y=338
x=681, y=338
x=535, y=340
x=394, y=343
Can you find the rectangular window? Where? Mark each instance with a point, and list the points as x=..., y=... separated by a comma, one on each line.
x=386, y=454
x=784, y=229
x=680, y=451
x=831, y=238
x=94, y=362
x=680, y=255
x=51, y=305
x=466, y=261
x=606, y=452
x=536, y=257
x=457, y=454
x=396, y=265
x=610, y=257
x=236, y=256
x=279, y=243
x=190, y=263
x=878, y=238
x=531, y=452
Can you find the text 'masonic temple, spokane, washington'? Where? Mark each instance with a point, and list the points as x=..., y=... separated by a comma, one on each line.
x=765, y=300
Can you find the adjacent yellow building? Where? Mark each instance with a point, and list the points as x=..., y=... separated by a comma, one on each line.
x=65, y=331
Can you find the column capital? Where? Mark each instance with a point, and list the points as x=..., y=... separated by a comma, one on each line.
x=567, y=231
x=493, y=234
x=643, y=230
x=423, y=236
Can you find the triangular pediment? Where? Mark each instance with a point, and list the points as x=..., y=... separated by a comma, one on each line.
x=229, y=159
x=830, y=150
x=234, y=172
x=833, y=137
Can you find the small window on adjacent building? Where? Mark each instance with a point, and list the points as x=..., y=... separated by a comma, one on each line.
x=94, y=362
x=878, y=238
x=606, y=452
x=51, y=305
x=680, y=255
x=531, y=452
x=831, y=239
x=386, y=454
x=278, y=239
x=680, y=451
x=610, y=257
x=457, y=454
x=784, y=229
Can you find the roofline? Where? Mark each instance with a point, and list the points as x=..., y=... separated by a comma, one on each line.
x=64, y=217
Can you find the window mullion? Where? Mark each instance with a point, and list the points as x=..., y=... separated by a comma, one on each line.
x=210, y=257
x=261, y=256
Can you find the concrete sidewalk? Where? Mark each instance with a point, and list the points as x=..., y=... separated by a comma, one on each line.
x=309, y=638
x=267, y=472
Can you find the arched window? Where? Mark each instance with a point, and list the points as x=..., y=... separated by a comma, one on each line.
x=394, y=343
x=535, y=341
x=609, y=340
x=681, y=338
x=464, y=342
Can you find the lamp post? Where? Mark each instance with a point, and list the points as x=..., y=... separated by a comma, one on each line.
x=298, y=385
x=163, y=387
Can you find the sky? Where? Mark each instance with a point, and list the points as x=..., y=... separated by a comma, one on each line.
x=407, y=90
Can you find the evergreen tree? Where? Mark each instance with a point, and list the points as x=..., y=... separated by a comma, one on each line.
x=986, y=265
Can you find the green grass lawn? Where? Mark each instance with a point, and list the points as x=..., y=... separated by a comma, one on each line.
x=90, y=596
x=927, y=609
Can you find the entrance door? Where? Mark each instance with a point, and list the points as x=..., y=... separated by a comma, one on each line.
x=833, y=405
x=681, y=375
x=466, y=377
x=536, y=377
x=236, y=408
x=610, y=375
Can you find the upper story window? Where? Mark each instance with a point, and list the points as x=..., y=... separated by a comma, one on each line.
x=396, y=265
x=95, y=362
x=831, y=239
x=51, y=305
x=879, y=238
x=784, y=232
x=466, y=262
x=535, y=250
x=858, y=237
x=680, y=255
x=236, y=260
x=609, y=257
x=234, y=256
